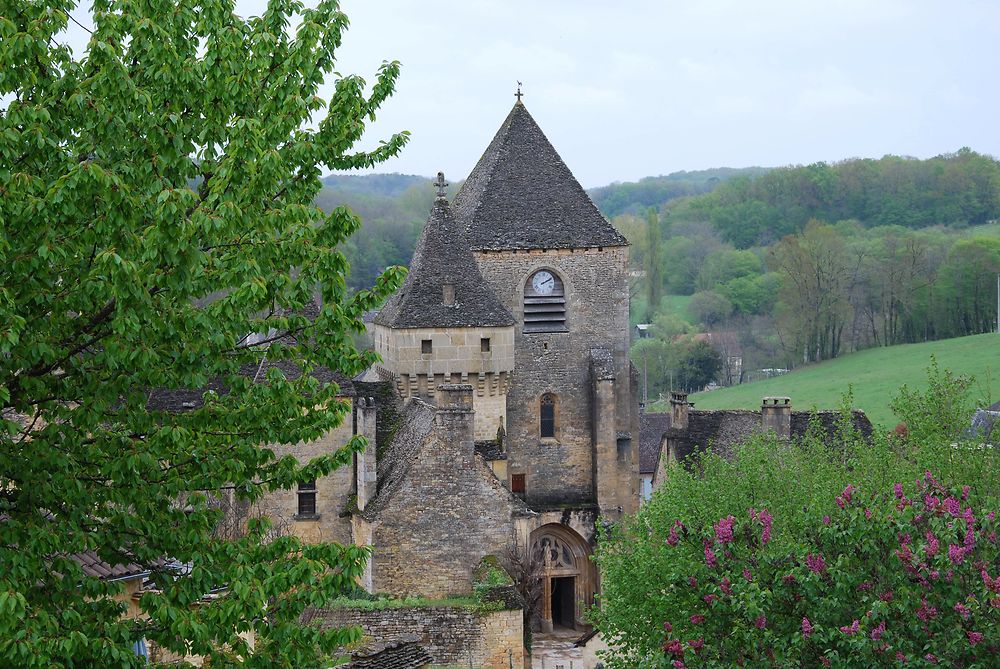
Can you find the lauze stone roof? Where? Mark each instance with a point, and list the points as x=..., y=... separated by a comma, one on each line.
x=443, y=257
x=521, y=195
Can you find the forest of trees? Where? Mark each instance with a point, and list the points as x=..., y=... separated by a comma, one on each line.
x=803, y=264
x=783, y=266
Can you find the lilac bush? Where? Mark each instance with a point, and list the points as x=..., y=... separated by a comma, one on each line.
x=881, y=579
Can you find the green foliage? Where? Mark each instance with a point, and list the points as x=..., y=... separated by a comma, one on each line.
x=155, y=209
x=940, y=412
x=632, y=198
x=879, y=578
x=647, y=562
x=960, y=189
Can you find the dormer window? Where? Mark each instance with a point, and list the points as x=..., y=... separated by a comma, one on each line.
x=544, y=303
x=448, y=294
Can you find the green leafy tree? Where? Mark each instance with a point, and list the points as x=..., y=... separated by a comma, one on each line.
x=155, y=209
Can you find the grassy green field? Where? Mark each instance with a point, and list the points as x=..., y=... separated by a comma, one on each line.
x=677, y=305
x=875, y=374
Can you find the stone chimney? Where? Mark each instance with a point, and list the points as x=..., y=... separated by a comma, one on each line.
x=776, y=416
x=367, y=467
x=679, y=410
x=455, y=416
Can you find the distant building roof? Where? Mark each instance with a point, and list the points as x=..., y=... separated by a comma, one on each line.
x=442, y=257
x=722, y=430
x=521, y=195
x=181, y=400
x=95, y=567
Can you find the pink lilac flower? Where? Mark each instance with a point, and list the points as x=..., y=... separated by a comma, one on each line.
x=726, y=585
x=991, y=515
x=761, y=622
x=667, y=627
x=974, y=637
x=865, y=585
x=852, y=628
x=747, y=575
x=900, y=657
x=788, y=578
x=697, y=619
x=672, y=539
x=953, y=506
x=677, y=664
x=826, y=520
x=962, y=610
x=898, y=490
x=674, y=648
x=724, y=530
x=886, y=596
x=710, y=559
x=845, y=497
x=956, y=553
x=868, y=514
x=965, y=492
x=878, y=631
x=807, y=628
x=931, y=657
x=815, y=563
x=925, y=612
x=696, y=644
x=933, y=544
x=767, y=520
x=692, y=581
x=710, y=598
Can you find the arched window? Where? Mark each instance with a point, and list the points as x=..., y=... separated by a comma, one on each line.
x=547, y=416
x=544, y=303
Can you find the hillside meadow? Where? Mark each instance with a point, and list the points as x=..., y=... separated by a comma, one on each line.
x=875, y=375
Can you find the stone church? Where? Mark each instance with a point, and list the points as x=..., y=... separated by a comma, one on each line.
x=504, y=411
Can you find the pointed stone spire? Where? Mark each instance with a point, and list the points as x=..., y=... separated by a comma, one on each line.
x=444, y=287
x=521, y=195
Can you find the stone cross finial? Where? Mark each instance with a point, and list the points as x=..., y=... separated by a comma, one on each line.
x=441, y=184
x=519, y=93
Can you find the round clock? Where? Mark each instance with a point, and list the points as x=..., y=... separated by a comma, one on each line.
x=543, y=282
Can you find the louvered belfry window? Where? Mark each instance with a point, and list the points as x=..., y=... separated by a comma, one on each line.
x=544, y=303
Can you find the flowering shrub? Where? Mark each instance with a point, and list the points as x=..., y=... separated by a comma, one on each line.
x=885, y=579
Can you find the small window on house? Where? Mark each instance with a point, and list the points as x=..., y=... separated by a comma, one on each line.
x=484, y=344
x=547, y=416
x=307, y=498
x=517, y=484
x=426, y=346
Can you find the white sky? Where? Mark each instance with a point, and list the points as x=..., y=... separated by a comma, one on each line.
x=636, y=88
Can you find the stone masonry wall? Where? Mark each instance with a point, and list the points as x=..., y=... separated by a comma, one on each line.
x=456, y=357
x=560, y=471
x=452, y=635
x=448, y=514
x=333, y=492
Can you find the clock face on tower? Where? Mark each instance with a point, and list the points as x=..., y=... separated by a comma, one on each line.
x=543, y=282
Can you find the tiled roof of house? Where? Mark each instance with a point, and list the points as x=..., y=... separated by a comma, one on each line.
x=95, y=567
x=442, y=256
x=180, y=400
x=521, y=195
x=398, y=655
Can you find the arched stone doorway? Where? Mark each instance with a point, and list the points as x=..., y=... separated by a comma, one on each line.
x=568, y=576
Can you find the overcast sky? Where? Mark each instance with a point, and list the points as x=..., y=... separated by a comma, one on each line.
x=636, y=88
